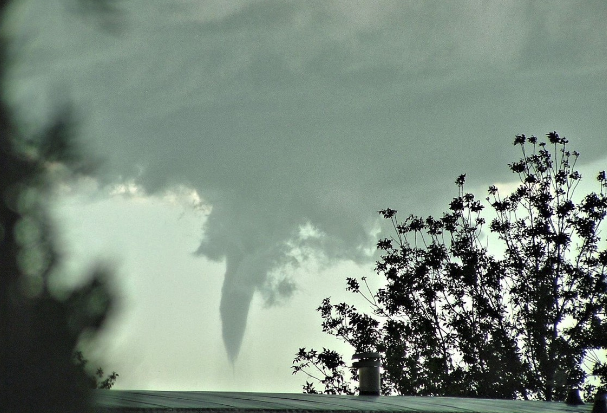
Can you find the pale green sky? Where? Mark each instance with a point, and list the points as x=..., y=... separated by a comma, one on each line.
x=282, y=114
x=166, y=331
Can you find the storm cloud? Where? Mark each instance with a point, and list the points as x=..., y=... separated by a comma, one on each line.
x=286, y=115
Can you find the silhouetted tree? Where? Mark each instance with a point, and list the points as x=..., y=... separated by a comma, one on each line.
x=95, y=379
x=454, y=319
x=39, y=328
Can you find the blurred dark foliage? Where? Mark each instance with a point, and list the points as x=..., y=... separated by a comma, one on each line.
x=454, y=320
x=39, y=327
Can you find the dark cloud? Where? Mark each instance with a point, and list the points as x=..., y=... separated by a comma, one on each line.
x=284, y=114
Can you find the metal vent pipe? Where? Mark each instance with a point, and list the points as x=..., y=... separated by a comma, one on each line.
x=368, y=372
x=600, y=403
x=574, y=398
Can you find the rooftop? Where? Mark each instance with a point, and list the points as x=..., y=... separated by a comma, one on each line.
x=116, y=401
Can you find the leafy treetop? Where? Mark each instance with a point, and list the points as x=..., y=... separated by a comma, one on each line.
x=455, y=319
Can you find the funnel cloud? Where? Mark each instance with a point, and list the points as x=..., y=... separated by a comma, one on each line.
x=290, y=115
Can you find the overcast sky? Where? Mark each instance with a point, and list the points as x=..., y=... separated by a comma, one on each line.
x=247, y=146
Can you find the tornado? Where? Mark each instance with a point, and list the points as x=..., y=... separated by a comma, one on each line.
x=236, y=295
